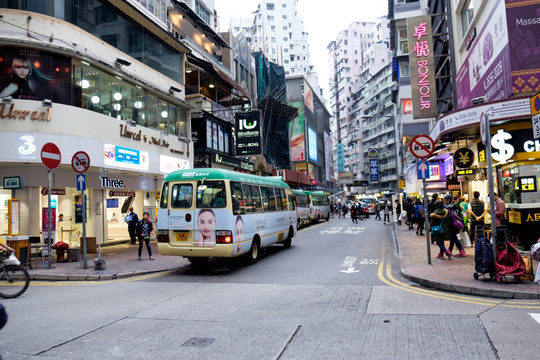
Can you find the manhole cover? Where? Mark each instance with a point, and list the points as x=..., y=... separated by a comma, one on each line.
x=199, y=342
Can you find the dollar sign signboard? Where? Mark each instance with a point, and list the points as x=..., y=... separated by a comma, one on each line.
x=504, y=151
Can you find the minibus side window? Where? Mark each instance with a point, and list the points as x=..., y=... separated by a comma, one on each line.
x=237, y=199
x=285, y=203
x=256, y=198
x=264, y=196
x=279, y=201
x=211, y=194
x=291, y=202
x=271, y=199
x=248, y=198
x=164, y=196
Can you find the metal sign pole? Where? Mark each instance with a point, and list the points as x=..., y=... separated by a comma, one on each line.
x=490, y=185
x=49, y=224
x=85, y=264
x=426, y=220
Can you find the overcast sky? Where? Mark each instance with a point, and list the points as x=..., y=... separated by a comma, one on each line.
x=323, y=20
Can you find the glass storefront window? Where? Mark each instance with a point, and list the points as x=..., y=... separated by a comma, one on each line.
x=152, y=120
x=163, y=115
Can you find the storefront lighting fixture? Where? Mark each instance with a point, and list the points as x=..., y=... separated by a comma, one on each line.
x=7, y=100
x=531, y=159
x=211, y=86
x=446, y=143
x=174, y=89
x=95, y=99
x=138, y=104
x=117, y=96
x=118, y=77
x=164, y=114
x=122, y=62
x=188, y=71
x=46, y=103
x=117, y=107
x=131, y=122
x=85, y=84
x=478, y=100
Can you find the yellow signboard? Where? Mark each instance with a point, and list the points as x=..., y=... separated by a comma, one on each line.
x=535, y=105
x=514, y=217
x=401, y=184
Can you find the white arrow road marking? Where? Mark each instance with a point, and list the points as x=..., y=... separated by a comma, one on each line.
x=535, y=317
x=350, y=270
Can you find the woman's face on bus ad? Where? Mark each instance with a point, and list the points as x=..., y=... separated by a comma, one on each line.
x=207, y=224
x=239, y=231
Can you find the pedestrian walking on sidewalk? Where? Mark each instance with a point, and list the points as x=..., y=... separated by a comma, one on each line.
x=378, y=211
x=439, y=217
x=419, y=213
x=398, y=212
x=354, y=213
x=144, y=228
x=476, y=212
x=409, y=208
x=132, y=220
x=454, y=212
x=339, y=209
x=387, y=210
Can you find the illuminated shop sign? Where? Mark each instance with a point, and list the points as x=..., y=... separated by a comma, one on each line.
x=122, y=157
x=465, y=172
x=424, y=95
x=527, y=184
x=511, y=145
x=434, y=172
x=168, y=164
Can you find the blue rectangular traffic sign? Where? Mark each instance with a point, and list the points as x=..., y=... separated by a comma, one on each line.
x=374, y=170
x=81, y=182
x=422, y=169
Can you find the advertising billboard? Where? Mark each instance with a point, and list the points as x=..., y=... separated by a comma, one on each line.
x=32, y=74
x=297, y=134
x=422, y=68
x=312, y=144
x=126, y=158
x=248, y=133
x=486, y=69
x=308, y=96
x=327, y=152
x=523, y=17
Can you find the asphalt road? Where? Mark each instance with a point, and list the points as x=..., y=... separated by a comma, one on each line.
x=336, y=294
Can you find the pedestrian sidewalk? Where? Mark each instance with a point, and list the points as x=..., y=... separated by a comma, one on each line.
x=121, y=262
x=456, y=274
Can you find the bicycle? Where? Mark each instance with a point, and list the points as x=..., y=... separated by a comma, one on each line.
x=14, y=279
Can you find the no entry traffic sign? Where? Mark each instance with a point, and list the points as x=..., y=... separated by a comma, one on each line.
x=80, y=162
x=50, y=156
x=422, y=146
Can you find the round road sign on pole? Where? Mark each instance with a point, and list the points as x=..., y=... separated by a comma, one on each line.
x=80, y=162
x=422, y=146
x=50, y=156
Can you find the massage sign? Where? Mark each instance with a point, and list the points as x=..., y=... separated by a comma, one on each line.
x=421, y=63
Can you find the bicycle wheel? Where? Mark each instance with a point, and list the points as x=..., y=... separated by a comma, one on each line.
x=14, y=281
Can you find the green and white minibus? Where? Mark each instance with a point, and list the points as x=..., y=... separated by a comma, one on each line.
x=320, y=206
x=303, y=207
x=207, y=213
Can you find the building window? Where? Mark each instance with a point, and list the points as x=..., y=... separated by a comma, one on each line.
x=285, y=39
x=292, y=57
x=269, y=6
x=467, y=15
x=284, y=5
x=202, y=12
x=270, y=17
x=403, y=41
x=286, y=61
x=285, y=50
x=284, y=28
x=284, y=16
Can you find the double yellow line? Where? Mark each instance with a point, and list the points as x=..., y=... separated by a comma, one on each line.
x=384, y=274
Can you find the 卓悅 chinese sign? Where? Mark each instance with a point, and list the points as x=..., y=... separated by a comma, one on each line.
x=421, y=63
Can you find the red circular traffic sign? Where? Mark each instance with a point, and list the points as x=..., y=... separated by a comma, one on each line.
x=50, y=156
x=80, y=162
x=422, y=146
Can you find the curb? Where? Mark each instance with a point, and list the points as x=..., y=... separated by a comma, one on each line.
x=96, y=277
x=461, y=289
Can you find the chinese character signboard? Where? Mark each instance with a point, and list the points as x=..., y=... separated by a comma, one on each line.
x=374, y=170
x=527, y=184
x=421, y=63
x=248, y=133
x=486, y=69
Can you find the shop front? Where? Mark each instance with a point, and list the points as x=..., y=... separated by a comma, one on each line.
x=515, y=160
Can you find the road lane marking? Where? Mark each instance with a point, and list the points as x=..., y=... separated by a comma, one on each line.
x=536, y=317
x=384, y=273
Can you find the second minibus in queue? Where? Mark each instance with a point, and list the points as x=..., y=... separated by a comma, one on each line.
x=311, y=206
x=207, y=213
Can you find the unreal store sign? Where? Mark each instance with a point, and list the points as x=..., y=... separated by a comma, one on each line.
x=248, y=133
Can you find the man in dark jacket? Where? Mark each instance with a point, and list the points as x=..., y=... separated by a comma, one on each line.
x=398, y=211
x=144, y=228
x=132, y=219
x=476, y=213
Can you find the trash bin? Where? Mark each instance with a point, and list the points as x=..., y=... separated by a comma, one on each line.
x=91, y=246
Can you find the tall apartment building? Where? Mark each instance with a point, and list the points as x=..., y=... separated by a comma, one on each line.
x=278, y=32
x=358, y=53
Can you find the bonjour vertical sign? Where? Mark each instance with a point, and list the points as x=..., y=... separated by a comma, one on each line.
x=421, y=64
